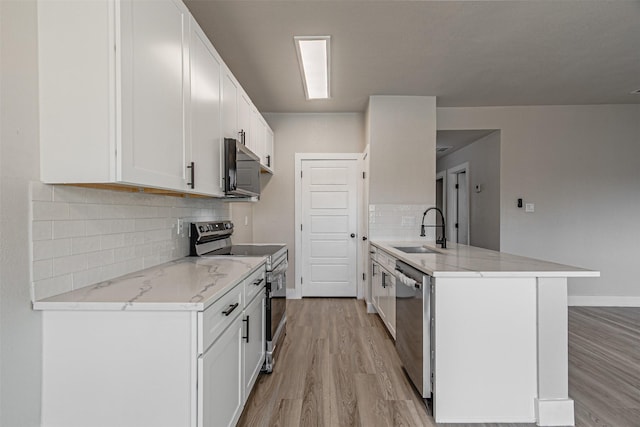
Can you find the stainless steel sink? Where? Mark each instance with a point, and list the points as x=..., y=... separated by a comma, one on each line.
x=415, y=250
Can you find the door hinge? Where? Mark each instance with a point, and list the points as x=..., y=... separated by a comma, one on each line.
x=301, y=280
x=363, y=175
x=456, y=225
x=456, y=186
x=364, y=277
x=300, y=174
x=300, y=227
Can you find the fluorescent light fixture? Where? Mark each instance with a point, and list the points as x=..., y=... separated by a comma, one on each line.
x=313, y=56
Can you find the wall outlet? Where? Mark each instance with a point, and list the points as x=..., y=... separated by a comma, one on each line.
x=180, y=227
x=529, y=207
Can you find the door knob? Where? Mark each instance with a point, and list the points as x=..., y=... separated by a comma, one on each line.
x=353, y=235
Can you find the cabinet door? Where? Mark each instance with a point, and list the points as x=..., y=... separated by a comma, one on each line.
x=376, y=286
x=244, y=120
x=390, y=304
x=268, y=148
x=255, y=131
x=220, y=392
x=206, y=129
x=254, y=341
x=383, y=294
x=154, y=57
x=229, y=105
x=261, y=143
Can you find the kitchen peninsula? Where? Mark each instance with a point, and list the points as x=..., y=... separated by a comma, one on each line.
x=498, y=332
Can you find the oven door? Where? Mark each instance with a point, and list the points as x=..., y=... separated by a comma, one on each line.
x=276, y=300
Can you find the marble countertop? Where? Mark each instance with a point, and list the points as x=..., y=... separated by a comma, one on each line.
x=468, y=261
x=191, y=283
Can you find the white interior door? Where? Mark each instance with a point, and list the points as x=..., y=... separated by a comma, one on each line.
x=329, y=207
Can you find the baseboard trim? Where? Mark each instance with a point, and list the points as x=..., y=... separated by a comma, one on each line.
x=554, y=412
x=293, y=293
x=603, y=301
x=371, y=308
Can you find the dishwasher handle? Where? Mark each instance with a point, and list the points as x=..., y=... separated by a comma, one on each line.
x=406, y=280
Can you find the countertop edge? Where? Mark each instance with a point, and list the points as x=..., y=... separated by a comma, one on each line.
x=44, y=305
x=456, y=271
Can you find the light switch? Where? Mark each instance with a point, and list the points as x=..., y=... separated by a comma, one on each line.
x=529, y=207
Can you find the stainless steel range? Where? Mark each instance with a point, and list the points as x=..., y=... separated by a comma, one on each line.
x=214, y=239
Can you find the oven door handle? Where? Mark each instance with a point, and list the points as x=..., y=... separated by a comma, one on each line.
x=279, y=269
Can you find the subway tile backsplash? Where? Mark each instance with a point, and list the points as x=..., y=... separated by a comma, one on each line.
x=399, y=222
x=82, y=236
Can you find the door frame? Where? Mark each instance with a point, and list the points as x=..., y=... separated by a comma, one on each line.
x=299, y=157
x=452, y=207
x=443, y=175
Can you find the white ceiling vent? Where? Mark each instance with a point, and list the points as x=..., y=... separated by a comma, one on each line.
x=442, y=148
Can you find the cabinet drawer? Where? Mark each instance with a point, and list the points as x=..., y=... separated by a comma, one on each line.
x=218, y=316
x=254, y=284
x=387, y=261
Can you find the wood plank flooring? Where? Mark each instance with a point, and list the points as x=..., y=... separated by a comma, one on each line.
x=338, y=367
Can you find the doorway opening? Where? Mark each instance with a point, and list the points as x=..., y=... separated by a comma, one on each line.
x=468, y=177
x=458, y=206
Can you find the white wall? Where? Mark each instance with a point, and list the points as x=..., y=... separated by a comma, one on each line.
x=242, y=217
x=274, y=214
x=483, y=157
x=402, y=144
x=20, y=327
x=579, y=165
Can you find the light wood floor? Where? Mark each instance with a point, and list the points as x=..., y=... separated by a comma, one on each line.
x=338, y=367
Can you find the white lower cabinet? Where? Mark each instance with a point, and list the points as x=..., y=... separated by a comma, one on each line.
x=154, y=368
x=253, y=342
x=220, y=395
x=383, y=289
x=228, y=369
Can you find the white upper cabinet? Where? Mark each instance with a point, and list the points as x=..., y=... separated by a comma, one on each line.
x=206, y=127
x=268, y=149
x=229, y=105
x=113, y=105
x=262, y=140
x=154, y=60
x=256, y=133
x=132, y=92
x=244, y=120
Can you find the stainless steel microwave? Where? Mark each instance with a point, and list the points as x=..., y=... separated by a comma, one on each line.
x=241, y=170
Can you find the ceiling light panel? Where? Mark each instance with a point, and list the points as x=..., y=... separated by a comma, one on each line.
x=314, y=59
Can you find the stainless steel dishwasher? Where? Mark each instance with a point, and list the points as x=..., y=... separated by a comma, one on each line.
x=413, y=325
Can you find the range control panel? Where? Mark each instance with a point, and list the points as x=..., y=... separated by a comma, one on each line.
x=209, y=227
x=203, y=235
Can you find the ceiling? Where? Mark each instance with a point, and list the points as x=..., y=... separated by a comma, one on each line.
x=457, y=139
x=467, y=53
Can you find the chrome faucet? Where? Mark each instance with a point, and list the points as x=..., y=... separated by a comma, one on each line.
x=443, y=240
